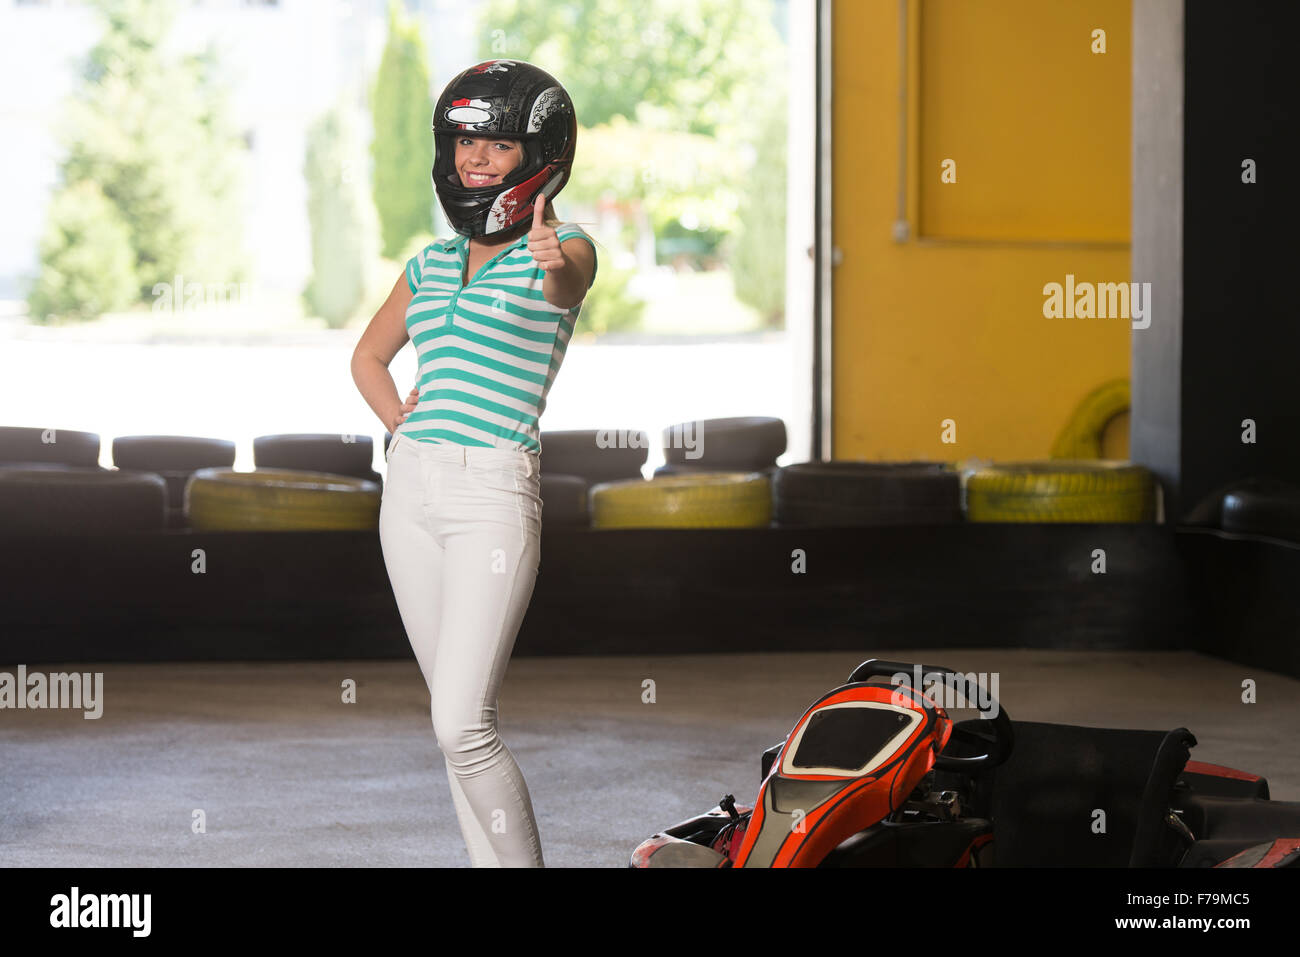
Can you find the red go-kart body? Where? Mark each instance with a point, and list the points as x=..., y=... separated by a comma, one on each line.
x=876, y=773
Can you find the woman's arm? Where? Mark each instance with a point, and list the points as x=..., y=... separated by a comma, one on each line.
x=567, y=286
x=379, y=343
x=569, y=266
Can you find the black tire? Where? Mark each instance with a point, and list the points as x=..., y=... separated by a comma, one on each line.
x=744, y=443
x=845, y=492
x=174, y=457
x=595, y=454
x=22, y=444
x=564, y=501
x=78, y=500
x=1265, y=506
x=336, y=454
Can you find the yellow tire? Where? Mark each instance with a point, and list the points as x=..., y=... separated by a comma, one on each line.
x=1061, y=491
x=699, y=500
x=1082, y=436
x=221, y=499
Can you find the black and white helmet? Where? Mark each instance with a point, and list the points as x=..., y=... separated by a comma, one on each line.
x=503, y=99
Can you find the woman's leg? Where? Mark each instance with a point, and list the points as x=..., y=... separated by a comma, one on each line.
x=491, y=534
x=415, y=559
x=412, y=554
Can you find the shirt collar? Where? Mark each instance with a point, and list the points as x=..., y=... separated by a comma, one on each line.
x=461, y=241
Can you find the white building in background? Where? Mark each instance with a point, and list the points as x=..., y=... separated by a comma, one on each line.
x=285, y=62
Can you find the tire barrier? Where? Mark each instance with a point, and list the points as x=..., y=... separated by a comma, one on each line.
x=22, y=444
x=221, y=499
x=51, y=499
x=596, y=455
x=331, y=453
x=1263, y=506
x=564, y=501
x=175, y=458
x=1060, y=491
x=846, y=492
x=705, y=500
x=742, y=444
x=694, y=468
x=1082, y=435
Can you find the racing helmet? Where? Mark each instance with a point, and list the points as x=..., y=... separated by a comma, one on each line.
x=503, y=99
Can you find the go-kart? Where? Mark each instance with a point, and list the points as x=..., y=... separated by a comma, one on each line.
x=877, y=774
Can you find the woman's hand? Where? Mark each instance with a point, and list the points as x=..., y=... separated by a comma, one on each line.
x=543, y=241
x=407, y=408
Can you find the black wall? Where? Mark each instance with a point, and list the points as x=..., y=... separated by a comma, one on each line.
x=1241, y=318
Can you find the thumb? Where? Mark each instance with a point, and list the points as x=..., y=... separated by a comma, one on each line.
x=539, y=211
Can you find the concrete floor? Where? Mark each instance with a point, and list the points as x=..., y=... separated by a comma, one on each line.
x=288, y=775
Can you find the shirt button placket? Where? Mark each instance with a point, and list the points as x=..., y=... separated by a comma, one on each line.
x=451, y=306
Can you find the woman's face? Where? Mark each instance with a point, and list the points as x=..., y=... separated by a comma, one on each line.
x=482, y=162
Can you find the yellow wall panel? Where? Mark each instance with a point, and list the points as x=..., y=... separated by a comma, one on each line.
x=1036, y=123
x=930, y=330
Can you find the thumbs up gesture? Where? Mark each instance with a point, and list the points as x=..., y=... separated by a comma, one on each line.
x=543, y=243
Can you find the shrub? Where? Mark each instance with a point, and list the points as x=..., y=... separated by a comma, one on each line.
x=87, y=263
x=344, y=241
x=609, y=307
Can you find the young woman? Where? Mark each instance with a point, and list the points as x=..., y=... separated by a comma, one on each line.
x=490, y=312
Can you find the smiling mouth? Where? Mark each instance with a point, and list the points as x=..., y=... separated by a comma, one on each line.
x=477, y=179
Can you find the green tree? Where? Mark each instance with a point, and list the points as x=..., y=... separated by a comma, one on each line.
x=609, y=306
x=758, y=246
x=693, y=131
x=691, y=57
x=152, y=129
x=402, y=148
x=671, y=132
x=343, y=228
x=86, y=261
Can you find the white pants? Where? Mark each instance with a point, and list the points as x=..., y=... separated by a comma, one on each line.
x=461, y=531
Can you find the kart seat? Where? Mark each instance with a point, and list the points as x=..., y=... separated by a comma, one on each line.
x=1214, y=818
x=1086, y=797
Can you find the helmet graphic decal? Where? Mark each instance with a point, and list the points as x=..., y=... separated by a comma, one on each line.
x=547, y=102
x=470, y=113
x=493, y=66
x=507, y=206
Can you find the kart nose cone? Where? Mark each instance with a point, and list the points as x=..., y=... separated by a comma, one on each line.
x=665, y=851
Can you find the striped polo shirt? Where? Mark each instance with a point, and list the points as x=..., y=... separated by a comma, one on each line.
x=488, y=351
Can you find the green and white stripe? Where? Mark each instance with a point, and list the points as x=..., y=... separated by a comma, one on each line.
x=489, y=351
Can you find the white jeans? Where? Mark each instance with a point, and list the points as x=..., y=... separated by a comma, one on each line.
x=461, y=532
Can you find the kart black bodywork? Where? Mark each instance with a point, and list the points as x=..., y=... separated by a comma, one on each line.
x=876, y=774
